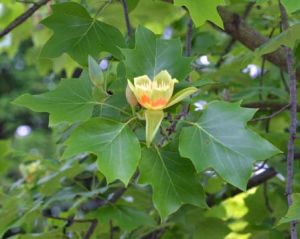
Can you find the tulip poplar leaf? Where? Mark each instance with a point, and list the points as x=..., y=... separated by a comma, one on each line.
x=71, y=101
x=151, y=55
x=288, y=38
x=291, y=5
x=221, y=140
x=116, y=146
x=203, y=10
x=172, y=178
x=293, y=213
x=79, y=35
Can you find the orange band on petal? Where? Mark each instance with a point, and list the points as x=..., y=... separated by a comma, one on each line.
x=144, y=99
x=159, y=102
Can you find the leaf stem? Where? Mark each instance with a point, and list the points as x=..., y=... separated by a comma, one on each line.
x=111, y=106
x=101, y=8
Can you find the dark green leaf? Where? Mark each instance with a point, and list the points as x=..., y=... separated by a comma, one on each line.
x=172, y=178
x=117, y=148
x=220, y=140
x=293, y=213
x=79, y=35
x=70, y=102
x=152, y=55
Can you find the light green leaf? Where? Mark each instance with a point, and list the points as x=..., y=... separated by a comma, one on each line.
x=172, y=178
x=291, y=5
x=287, y=38
x=293, y=213
x=95, y=73
x=152, y=55
x=117, y=148
x=79, y=35
x=179, y=96
x=127, y=218
x=203, y=10
x=221, y=140
x=70, y=102
x=153, y=121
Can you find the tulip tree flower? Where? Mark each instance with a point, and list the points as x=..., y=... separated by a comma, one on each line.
x=155, y=96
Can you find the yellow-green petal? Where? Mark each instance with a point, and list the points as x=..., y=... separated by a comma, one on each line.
x=131, y=86
x=153, y=121
x=179, y=96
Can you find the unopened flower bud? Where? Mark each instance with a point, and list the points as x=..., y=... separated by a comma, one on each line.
x=131, y=99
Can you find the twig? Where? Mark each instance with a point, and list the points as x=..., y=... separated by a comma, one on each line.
x=293, y=124
x=272, y=115
x=95, y=203
x=253, y=182
x=266, y=105
x=22, y=18
x=188, y=39
x=262, y=72
x=70, y=221
x=127, y=20
x=233, y=40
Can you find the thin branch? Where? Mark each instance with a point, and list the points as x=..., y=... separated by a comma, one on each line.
x=71, y=220
x=127, y=20
x=267, y=105
x=256, y=180
x=293, y=124
x=272, y=115
x=95, y=203
x=22, y=18
x=188, y=39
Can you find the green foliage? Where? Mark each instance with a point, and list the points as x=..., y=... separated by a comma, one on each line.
x=126, y=217
x=157, y=56
x=172, y=178
x=116, y=147
x=291, y=5
x=293, y=213
x=201, y=11
x=79, y=35
x=94, y=163
x=287, y=38
x=70, y=102
x=210, y=143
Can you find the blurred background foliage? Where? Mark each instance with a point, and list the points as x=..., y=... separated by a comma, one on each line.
x=35, y=183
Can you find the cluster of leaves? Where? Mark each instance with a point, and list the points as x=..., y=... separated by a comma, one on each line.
x=100, y=167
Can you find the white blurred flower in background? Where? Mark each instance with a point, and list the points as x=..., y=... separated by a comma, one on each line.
x=253, y=70
x=203, y=61
x=23, y=130
x=168, y=32
x=200, y=105
x=103, y=64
